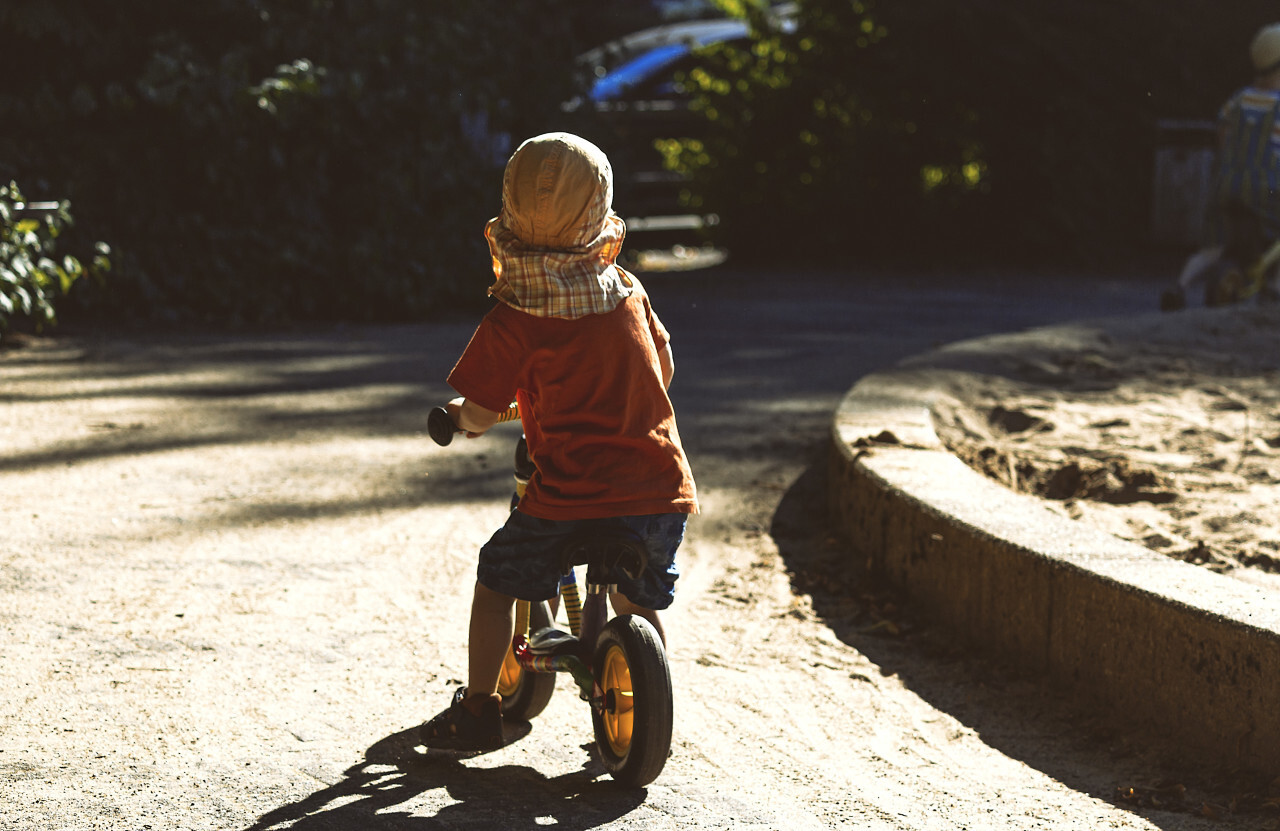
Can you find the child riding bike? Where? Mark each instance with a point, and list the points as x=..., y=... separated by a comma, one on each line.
x=1243, y=216
x=574, y=341
x=1248, y=170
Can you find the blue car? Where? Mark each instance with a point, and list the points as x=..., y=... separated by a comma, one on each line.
x=631, y=99
x=642, y=67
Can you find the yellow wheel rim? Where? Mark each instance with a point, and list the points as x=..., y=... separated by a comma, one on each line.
x=509, y=677
x=618, y=719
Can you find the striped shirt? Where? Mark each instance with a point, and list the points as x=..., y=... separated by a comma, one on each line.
x=1249, y=158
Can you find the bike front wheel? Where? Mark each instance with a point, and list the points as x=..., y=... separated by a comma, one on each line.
x=633, y=722
x=526, y=694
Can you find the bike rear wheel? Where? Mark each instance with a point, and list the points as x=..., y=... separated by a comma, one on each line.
x=1225, y=284
x=633, y=727
x=526, y=694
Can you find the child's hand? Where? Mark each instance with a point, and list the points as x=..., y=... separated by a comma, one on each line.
x=471, y=418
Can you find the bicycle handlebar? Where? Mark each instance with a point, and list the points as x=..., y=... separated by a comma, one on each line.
x=442, y=429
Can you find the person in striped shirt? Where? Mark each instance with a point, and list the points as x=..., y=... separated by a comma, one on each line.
x=1245, y=214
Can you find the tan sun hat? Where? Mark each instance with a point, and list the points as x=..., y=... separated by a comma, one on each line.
x=1265, y=49
x=556, y=242
x=557, y=191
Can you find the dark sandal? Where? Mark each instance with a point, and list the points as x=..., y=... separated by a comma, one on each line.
x=457, y=729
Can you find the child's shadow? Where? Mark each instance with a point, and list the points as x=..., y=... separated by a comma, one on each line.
x=395, y=771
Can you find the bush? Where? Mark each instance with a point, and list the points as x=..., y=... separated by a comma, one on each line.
x=260, y=160
x=32, y=276
x=957, y=131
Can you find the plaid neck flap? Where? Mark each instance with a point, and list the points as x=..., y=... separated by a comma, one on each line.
x=567, y=283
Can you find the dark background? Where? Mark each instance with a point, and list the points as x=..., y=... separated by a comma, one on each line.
x=262, y=161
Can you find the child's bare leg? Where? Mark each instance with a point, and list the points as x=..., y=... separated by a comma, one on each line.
x=492, y=625
x=623, y=606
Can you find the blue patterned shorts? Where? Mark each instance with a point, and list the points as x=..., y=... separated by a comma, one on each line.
x=523, y=558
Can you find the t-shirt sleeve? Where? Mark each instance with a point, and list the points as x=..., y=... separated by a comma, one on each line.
x=486, y=372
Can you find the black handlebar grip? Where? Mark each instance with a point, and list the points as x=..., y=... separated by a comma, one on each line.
x=441, y=426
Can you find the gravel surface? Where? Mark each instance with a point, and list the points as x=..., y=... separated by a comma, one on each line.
x=1163, y=430
x=235, y=576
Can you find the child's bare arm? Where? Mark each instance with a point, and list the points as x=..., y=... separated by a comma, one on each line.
x=471, y=417
x=667, y=363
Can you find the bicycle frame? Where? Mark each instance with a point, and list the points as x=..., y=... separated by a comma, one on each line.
x=1257, y=273
x=586, y=629
x=600, y=552
x=585, y=620
x=619, y=664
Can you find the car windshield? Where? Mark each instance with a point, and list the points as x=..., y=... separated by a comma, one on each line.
x=637, y=70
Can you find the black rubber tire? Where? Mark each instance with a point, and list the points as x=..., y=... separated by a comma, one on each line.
x=1224, y=284
x=1267, y=292
x=531, y=692
x=1173, y=300
x=633, y=745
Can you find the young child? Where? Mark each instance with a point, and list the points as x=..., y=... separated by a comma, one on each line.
x=1248, y=164
x=574, y=341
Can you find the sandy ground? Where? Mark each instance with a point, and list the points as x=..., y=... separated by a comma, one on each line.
x=235, y=574
x=1163, y=430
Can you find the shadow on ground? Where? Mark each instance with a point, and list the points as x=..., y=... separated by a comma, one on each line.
x=1018, y=714
x=376, y=795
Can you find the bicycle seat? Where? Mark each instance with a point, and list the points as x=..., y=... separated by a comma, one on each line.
x=608, y=550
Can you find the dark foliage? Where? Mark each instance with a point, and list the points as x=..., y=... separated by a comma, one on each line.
x=983, y=130
x=33, y=276
x=260, y=160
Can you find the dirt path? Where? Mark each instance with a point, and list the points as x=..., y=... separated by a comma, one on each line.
x=234, y=577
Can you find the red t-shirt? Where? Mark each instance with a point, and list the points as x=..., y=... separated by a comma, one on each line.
x=597, y=418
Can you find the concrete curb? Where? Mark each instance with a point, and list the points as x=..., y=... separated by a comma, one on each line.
x=1179, y=651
